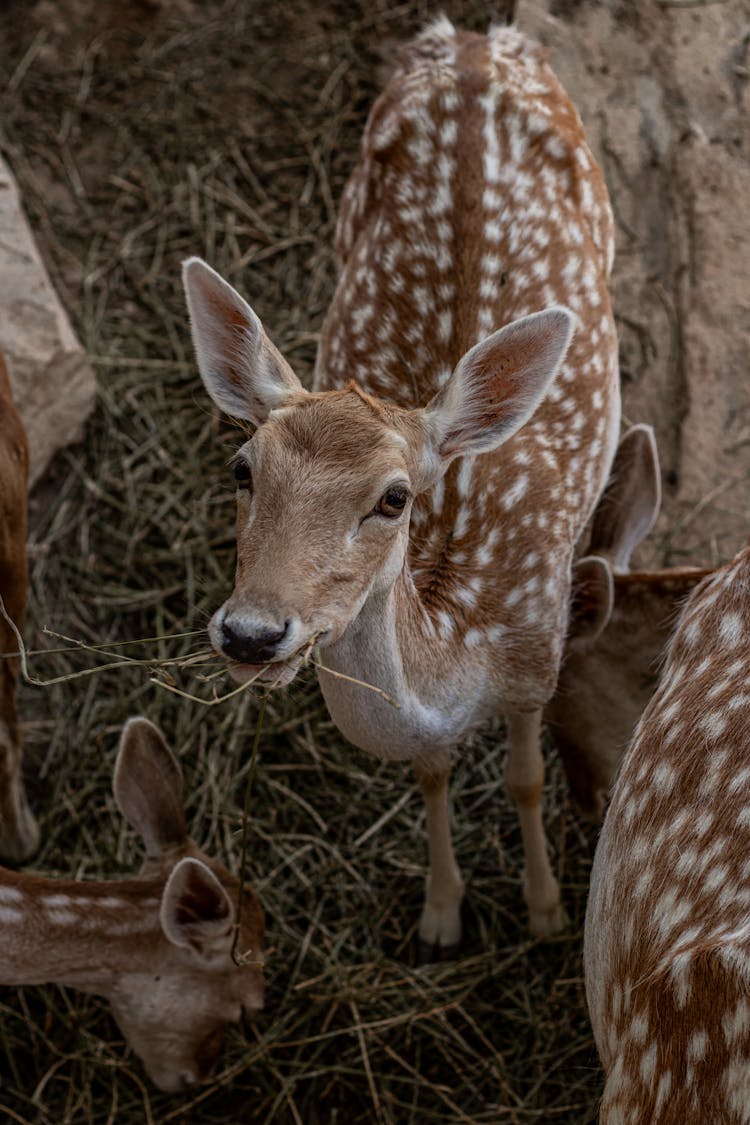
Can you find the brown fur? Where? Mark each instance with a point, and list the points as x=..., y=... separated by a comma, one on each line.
x=605, y=685
x=667, y=949
x=18, y=830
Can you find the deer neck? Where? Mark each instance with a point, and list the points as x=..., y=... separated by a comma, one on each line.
x=393, y=646
x=85, y=935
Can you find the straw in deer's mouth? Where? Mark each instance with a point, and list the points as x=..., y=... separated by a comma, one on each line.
x=277, y=672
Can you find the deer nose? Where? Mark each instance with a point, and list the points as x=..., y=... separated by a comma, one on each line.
x=250, y=647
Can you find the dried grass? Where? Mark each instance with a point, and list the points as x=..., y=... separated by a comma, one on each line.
x=142, y=133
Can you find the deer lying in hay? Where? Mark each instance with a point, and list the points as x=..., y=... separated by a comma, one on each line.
x=416, y=515
x=667, y=940
x=620, y=625
x=19, y=835
x=159, y=947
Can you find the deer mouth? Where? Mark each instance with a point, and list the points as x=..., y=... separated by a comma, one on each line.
x=278, y=673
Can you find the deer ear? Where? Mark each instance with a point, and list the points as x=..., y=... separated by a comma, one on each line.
x=498, y=384
x=630, y=503
x=245, y=375
x=592, y=601
x=148, y=788
x=196, y=911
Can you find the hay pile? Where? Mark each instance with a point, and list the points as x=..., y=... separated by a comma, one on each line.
x=141, y=133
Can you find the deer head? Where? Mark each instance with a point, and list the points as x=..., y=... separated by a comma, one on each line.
x=173, y=1011
x=326, y=484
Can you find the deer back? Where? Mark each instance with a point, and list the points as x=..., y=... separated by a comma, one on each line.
x=667, y=942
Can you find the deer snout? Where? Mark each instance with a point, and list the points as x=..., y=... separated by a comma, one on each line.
x=249, y=642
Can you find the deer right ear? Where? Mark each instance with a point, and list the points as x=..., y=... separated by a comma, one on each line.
x=148, y=788
x=245, y=375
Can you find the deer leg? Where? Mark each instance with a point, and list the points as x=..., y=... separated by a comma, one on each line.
x=524, y=778
x=19, y=833
x=440, y=924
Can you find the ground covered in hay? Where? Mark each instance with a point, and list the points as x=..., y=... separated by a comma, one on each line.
x=141, y=133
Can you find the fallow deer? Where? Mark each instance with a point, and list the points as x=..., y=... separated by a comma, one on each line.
x=19, y=835
x=620, y=625
x=416, y=514
x=667, y=938
x=159, y=947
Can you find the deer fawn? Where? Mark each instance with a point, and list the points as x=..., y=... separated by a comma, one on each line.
x=19, y=835
x=416, y=515
x=159, y=946
x=667, y=940
x=620, y=625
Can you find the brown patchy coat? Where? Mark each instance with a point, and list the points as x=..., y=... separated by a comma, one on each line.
x=18, y=831
x=667, y=946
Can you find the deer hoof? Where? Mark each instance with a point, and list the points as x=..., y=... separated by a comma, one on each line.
x=545, y=922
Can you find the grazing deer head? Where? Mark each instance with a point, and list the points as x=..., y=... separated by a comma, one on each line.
x=667, y=942
x=159, y=947
x=19, y=834
x=416, y=514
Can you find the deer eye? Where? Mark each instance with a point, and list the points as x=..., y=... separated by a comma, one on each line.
x=242, y=475
x=392, y=502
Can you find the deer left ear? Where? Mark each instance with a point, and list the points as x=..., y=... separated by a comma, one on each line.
x=498, y=385
x=196, y=911
x=592, y=601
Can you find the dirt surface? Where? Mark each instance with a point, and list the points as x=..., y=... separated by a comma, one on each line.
x=140, y=133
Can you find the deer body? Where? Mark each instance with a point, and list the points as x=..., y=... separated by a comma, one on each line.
x=667, y=941
x=403, y=514
x=19, y=834
x=76, y=933
x=158, y=947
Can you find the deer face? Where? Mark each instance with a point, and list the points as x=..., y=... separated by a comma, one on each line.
x=324, y=495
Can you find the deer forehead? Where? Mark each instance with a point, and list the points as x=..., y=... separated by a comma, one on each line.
x=333, y=439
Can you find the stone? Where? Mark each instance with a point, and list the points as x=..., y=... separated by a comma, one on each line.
x=53, y=383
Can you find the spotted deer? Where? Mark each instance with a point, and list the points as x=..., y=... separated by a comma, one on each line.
x=19, y=834
x=619, y=628
x=158, y=946
x=415, y=515
x=667, y=938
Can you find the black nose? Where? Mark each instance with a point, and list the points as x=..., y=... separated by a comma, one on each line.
x=250, y=648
